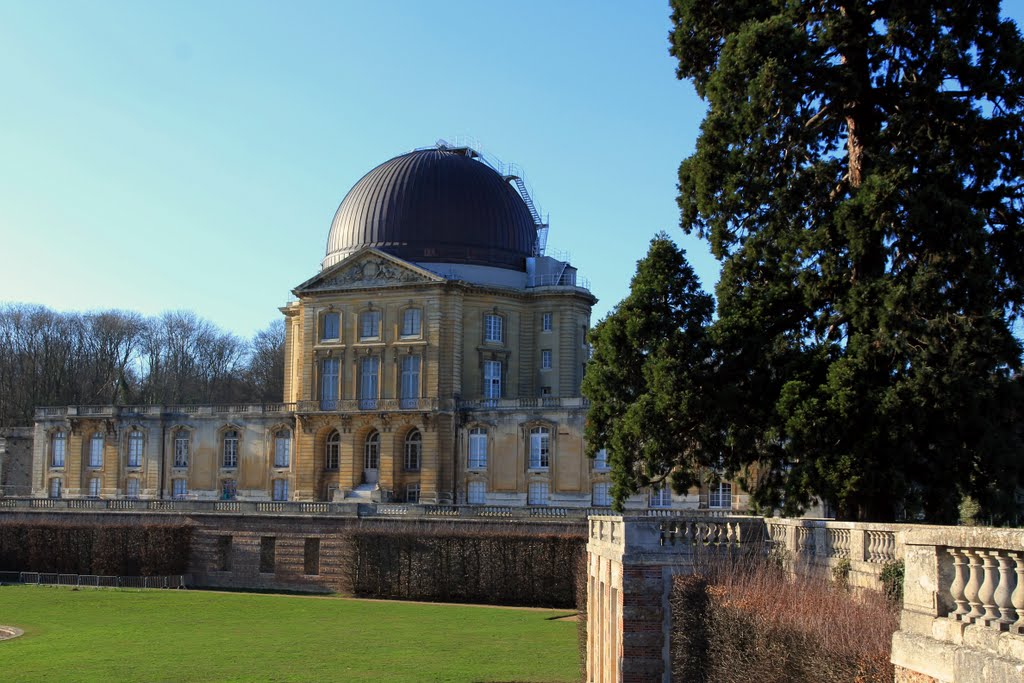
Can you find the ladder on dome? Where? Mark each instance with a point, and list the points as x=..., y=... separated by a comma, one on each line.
x=542, y=227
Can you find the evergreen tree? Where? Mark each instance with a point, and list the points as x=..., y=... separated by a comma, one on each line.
x=647, y=380
x=859, y=174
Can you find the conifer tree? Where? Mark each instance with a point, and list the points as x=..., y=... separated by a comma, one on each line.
x=859, y=175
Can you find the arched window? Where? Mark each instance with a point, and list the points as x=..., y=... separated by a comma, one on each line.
x=135, y=443
x=371, y=451
x=96, y=450
x=58, y=448
x=282, y=448
x=413, y=450
x=332, y=453
x=229, y=449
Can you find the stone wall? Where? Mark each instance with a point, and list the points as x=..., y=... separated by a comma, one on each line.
x=16, y=461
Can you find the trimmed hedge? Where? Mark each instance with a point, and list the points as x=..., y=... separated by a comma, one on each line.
x=142, y=549
x=501, y=565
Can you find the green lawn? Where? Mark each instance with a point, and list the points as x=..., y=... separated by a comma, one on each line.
x=120, y=635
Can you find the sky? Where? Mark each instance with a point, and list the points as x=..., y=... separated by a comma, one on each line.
x=191, y=155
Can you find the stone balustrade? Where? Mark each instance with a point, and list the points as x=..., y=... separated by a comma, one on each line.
x=111, y=411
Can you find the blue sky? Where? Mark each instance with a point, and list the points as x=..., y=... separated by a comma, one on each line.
x=189, y=155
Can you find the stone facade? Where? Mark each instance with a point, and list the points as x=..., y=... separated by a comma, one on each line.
x=16, y=461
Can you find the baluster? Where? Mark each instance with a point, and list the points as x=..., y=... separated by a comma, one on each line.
x=872, y=538
x=956, y=589
x=1017, y=597
x=973, y=585
x=890, y=545
x=988, y=588
x=1007, y=614
x=730, y=534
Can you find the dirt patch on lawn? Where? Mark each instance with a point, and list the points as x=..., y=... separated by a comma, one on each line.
x=8, y=632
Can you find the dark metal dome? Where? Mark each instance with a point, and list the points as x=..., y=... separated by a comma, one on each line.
x=435, y=206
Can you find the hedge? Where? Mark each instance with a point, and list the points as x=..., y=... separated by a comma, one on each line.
x=74, y=547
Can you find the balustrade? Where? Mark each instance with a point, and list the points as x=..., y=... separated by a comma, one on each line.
x=838, y=541
x=987, y=588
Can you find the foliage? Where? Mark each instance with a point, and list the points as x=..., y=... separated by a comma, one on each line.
x=107, y=357
x=969, y=511
x=492, y=564
x=116, y=635
x=841, y=573
x=753, y=622
x=649, y=376
x=76, y=547
x=892, y=580
x=858, y=173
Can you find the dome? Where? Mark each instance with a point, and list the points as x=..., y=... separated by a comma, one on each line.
x=435, y=206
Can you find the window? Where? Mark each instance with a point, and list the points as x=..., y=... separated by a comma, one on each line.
x=332, y=454
x=661, y=497
x=413, y=450
x=223, y=554
x=537, y=493
x=545, y=391
x=96, y=451
x=369, y=382
x=720, y=496
x=477, y=449
x=135, y=441
x=131, y=488
x=267, y=548
x=369, y=325
x=601, y=460
x=181, y=449
x=476, y=492
x=328, y=384
x=540, y=451
x=411, y=323
x=58, y=447
x=311, y=557
x=230, y=449
x=545, y=359
x=179, y=488
x=282, y=448
x=602, y=496
x=331, y=327
x=228, y=489
x=492, y=379
x=493, y=328
x=546, y=322
x=280, y=489
x=55, y=487
x=412, y=493
x=371, y=451
x=95, y=483
x=410, y=389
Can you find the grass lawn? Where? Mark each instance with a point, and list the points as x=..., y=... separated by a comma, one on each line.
x=123, y=635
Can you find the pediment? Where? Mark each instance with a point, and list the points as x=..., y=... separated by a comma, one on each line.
x=367, y=268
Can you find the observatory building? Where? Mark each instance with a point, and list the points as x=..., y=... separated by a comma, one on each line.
x=436, y=357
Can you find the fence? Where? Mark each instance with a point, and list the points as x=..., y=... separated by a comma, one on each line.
x=95, y=581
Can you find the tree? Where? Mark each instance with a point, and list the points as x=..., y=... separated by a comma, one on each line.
x=266, y=363
x=648, y=378
x=859, y=174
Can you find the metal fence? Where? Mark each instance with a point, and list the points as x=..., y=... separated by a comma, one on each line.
x=95, y=581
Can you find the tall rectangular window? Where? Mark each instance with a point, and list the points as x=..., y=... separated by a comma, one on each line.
x=720, y=496
x=135, y=441
x=411, y=322
x=410, y=389
x=412, y=493
x=537, y=494
x=369, y=382
x=311, y=557
x=602, y=496
x=181, y=449
x=369, y=325
x=477, y=449
x=230, y=448
x=280, y=489
x=267, y=552
x=96, y=451
x=476, y=492
x=329, y=384
x=131, y=488
x=58, y=448
x=223, y=561
x=493, y=331
x=546, y=323
x=545, y=359
x=229, y=489
x=179, y=488
x=282, y=448
x=55, y=487
x=492, y=379
x=331, y=328
x=540, y=448
x=94, y=487
x=601, y=460
x=661, y=497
